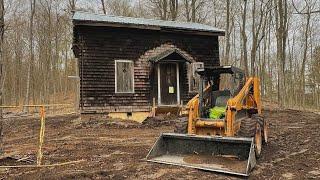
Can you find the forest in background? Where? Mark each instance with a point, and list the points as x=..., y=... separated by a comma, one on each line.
x=277, y=40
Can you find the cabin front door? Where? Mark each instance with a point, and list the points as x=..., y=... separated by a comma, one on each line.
x=168, y=80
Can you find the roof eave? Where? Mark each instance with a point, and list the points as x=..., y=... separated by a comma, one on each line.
x=77, y=22
x=159, y=57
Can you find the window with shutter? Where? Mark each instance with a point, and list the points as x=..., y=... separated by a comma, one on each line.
x=194, y=78
x=124, y=76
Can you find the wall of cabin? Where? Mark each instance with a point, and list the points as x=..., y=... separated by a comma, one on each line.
x=98, y=47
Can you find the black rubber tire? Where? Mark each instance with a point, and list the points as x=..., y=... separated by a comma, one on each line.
x=182, y=126
x=247, y=127
x=263, y=125
x=250, y=127
x=258, y=117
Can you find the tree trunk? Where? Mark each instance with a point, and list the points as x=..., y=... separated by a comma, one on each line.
x=174, y=6
x=72, y=4
x=1, y=70
x=164, y=5
x=103, y=7
x=281, y=35
x=228, y=33
x=303, y=66
x=258, y=31
x=244, y=39
x=31, y=60
x=193, y=10
x=187, y=9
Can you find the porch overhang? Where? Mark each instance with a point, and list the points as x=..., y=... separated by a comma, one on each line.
x=165, y=57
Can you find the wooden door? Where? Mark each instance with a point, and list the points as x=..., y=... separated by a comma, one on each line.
x=168, y=84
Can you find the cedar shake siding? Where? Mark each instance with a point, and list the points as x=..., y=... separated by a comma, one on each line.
x=97, y=48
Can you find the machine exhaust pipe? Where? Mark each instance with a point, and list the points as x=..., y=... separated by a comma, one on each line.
x=231, y=155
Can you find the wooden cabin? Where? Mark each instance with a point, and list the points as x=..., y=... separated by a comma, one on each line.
x=129, y=65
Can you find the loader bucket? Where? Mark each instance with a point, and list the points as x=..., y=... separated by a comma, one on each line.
x=232, y=155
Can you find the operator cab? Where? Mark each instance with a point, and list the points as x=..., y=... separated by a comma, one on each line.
x=217, y=85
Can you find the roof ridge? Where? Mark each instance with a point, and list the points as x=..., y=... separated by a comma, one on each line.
x=98, y=17
x=131, y=17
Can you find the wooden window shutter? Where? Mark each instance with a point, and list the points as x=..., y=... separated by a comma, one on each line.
x=124, y=76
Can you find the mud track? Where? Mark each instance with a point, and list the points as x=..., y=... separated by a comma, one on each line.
x=116, y=150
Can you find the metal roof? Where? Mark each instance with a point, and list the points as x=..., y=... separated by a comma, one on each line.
x=144, y=23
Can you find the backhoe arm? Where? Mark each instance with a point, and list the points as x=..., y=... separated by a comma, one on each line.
x=248, y=98
x=251, y=93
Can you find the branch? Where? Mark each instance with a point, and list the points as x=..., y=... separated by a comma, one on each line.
x=311, y=12
x=300, y=12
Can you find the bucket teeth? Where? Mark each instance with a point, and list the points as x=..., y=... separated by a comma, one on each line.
x=232, y=155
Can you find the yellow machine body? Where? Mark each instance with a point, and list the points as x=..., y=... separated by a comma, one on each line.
x=244, y=100
x=229, y=144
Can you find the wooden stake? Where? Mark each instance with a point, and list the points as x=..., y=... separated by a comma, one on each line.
x=41, y=135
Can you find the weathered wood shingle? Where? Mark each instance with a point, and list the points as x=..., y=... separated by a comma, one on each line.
x=99, y=47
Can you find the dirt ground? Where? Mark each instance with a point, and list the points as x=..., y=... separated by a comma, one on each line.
x=116, y=150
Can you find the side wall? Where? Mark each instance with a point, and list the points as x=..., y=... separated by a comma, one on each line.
x=97, y=47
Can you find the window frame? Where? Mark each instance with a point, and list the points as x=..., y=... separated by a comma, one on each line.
x=115, y=76
x=192, y=74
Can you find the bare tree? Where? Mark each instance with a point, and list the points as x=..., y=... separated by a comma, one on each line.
x=174, y=7
x=187, y=10
x=308, y=12
x=258, y=29
x=72, y=4
x=120, y=8
x=315, y=74
x=40, y=67
x=244, y=38
x=281, y=16
x=1, y=69
x=160, y=8
x=165, y=9
x=193, y=9
x=103, y=7
x=32, y=9
x=228, y=33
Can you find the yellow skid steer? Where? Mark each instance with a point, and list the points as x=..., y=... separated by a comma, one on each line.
x=224, y=130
